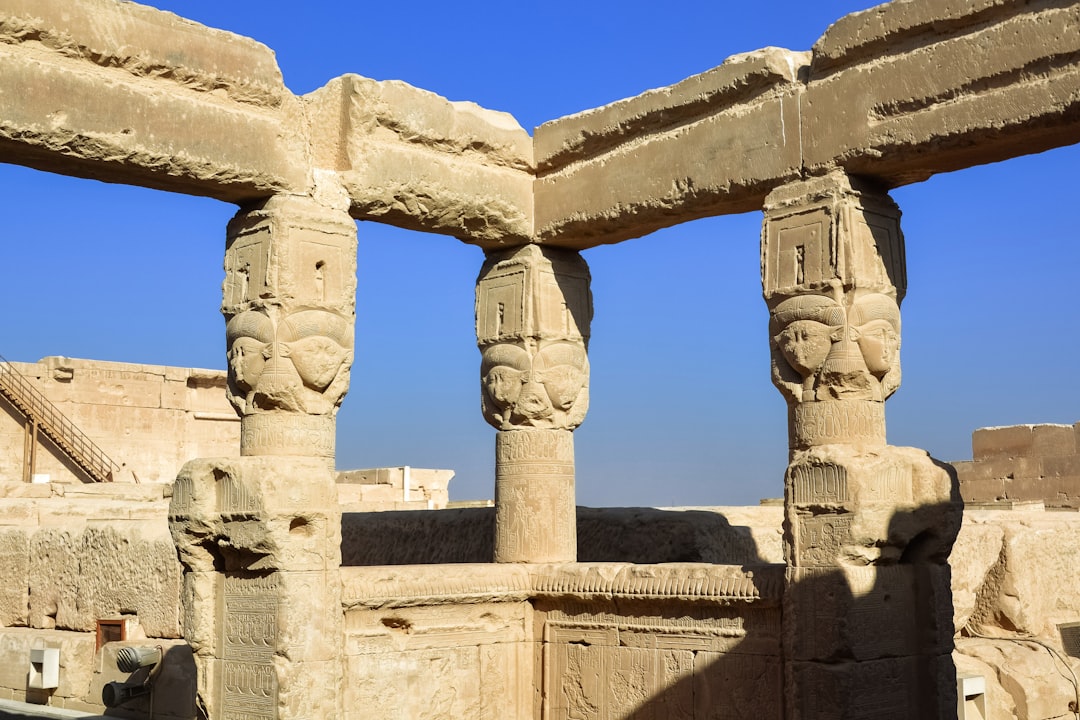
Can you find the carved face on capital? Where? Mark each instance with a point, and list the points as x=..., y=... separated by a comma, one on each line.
x=805, y=345
x=301, y=365
x=545, y=389
x=834, y=348
x=876, y=321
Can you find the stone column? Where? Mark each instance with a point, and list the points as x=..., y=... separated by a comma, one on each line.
x=289, y=305
x=868, y=527
x=259, y=536
x=533, y=311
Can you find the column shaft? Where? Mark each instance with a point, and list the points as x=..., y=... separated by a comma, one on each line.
x=533, y=311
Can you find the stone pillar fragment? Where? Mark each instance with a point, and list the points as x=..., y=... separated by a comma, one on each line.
x=259, y=539
x=533, y=312
x=868, y=527
x=289, y=304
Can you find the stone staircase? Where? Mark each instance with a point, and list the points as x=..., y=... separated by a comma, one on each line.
x=41, y=415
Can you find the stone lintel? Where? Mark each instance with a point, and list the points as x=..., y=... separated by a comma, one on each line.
x=112, y=102
x=713, y=144
x=146, y=42
x=897, y=93
x=417, y=160
x=935, y=87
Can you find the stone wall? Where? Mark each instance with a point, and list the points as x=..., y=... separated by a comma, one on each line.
x=150, y=418
x=1023, y=463
x=511, y=642
x=720, y=535
x=71, y=555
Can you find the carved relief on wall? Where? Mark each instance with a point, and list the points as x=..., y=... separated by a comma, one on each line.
x=300, y=364
x=836, y=347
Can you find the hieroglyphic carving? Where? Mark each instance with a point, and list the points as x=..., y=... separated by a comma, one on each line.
x=892, y=484
x=288, y=434
x=535, y=514
x=821, y=538
x=837, y=421
x=819, y=484
x=248, y=624
x=236, y=497
x=183, y=497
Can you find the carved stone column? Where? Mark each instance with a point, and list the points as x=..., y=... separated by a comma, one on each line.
x=259, y=536
x=533, y=311
x=868, y=527
x=289, y=304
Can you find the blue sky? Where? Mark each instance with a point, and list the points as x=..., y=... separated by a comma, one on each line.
x=682, y=410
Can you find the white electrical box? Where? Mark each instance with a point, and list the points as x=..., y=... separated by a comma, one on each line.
x=44, y=668
x=971, y=697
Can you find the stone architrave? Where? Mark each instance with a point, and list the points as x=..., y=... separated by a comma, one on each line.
x=868, y=527
x=533, y=312
x=289, y=303
x=259, y=539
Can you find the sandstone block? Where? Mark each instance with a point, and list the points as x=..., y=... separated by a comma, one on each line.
x=938, y=52
x=422, y=684
x=736, y=686
x=256, y=513
x=148, y=42
x=976, y=552
x=711, y=144
x=910, y=688
x=1034, y=590
x=102, y=572
x=417, y=160
x=76, y=660
x=436, y=622
x=1033, y=682
x=849, y=505
x=15, y=570
x=1002, y=441
x=127, y=130
x=867, y=613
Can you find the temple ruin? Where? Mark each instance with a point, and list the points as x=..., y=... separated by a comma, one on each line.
x=248, y=589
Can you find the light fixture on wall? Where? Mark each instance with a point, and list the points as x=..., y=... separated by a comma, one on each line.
x=44, y=667
x=133, y=660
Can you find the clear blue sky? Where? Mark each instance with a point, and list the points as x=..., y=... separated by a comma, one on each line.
x=682, y=409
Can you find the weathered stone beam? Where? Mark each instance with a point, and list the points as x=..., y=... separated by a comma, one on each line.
x=898, y=92
x=416, y=160
x=713, y=144
x=125, y=93
x=909, y=89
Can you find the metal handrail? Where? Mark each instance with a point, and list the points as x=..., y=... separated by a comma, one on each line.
x=64, y=433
